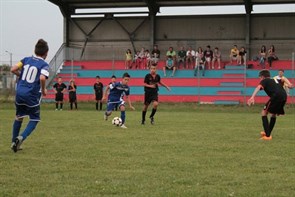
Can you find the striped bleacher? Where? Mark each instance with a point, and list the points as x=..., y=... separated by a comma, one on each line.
x=225, y=86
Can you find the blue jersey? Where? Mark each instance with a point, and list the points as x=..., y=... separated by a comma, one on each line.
x=29, y=87
x=117, y=91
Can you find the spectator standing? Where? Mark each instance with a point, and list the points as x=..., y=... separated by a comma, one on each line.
x=73, y=94
x=98, y=93
x=59, y=88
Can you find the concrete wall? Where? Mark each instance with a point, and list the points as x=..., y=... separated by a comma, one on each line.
x=110, y=40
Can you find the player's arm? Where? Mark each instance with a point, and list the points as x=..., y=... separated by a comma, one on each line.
x=149, y=85
x=287, y=82
x=251, y=100
x=105, y=93
x=16, y=68
x=164, y=85
x=129, y=102
x=43, y=85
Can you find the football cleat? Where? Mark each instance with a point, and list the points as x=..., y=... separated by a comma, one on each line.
x=266, y=138
x=17, y=142
x=123, y=126
x=105, y=117
x=152, y=120
x=262, y=134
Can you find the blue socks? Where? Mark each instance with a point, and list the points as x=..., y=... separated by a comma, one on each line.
x=123, y=116
x=15, y=130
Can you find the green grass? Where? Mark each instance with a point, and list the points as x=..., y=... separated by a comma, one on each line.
x=192, y=150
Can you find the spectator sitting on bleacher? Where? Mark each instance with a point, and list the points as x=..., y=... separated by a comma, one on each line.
x=181, y=57
x=234, y=52
x=148, y=59
x=208, y=55
x=128, y=59
x=242, y=56
x=190, y=58
x=199, y=62
x=169, y=65
x=271, y=56
x=155, y=54
x=216, y=57
x=262, y=56
x=137, y=60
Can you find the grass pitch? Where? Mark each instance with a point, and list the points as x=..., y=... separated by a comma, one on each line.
x=192, y=150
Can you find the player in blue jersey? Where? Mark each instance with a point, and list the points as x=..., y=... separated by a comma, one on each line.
x=117, y=91
x=32, y=72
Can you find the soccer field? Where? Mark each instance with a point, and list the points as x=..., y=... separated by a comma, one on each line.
x=191, y=150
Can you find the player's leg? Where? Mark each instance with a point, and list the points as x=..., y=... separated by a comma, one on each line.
x=272, y=122
x=96, y=105
x=100, y=105
x=164, y=71
x=145, y=107
x=56, y=101
x=265, y=122
x=108, y=112
x=173, y=72
x=20, y=112
x=123, y=115
x=154, y=110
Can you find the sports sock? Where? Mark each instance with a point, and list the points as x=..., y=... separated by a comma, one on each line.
x=61, y=105
x=100, y=105
x=76, y=105
x=96, y=105
x=272, y=124
x=15, y=130
x=56, y=105
x=143, y=116
x=153, y=112
x=265, y=125
x=71, y=105
x=29, y=129
x=123, y=116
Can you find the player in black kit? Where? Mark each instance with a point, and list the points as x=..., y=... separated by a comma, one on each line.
x=274, y=106
x=98, y=92
x=151, y=89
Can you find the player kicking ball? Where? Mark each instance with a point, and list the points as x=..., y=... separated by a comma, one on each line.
x=115, y=98
x=32, y=72
x=274, y=106
x=151, y=89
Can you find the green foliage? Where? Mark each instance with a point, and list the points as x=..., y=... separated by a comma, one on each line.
x=192, y=150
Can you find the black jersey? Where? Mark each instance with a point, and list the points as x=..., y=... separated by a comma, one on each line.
x=150, y=80
x=98, y=88
x=273, y=89
x=71, y=88
x=59, y=87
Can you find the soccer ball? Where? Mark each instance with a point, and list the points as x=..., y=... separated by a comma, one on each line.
x=117, y=121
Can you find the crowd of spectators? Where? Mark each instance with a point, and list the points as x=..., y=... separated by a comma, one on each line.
x=200, y=59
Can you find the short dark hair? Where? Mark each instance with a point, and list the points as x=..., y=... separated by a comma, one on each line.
x=281, y=70
x=126, y=75
x=41, y=47
x=154, y=64
x=113, y=76
x=97, y=77
x=264, y=73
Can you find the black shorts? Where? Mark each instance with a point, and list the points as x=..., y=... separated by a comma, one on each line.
x=98, y=96
x=150, y=97
x=59, y=97
x=72, y=98
x=275, y=106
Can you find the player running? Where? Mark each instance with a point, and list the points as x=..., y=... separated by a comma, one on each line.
x=151, y=89
x=33, y=72
x=116, y=92
x=274, y=106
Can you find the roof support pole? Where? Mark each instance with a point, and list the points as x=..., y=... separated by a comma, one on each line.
x=152, y=30
x=248, y=34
